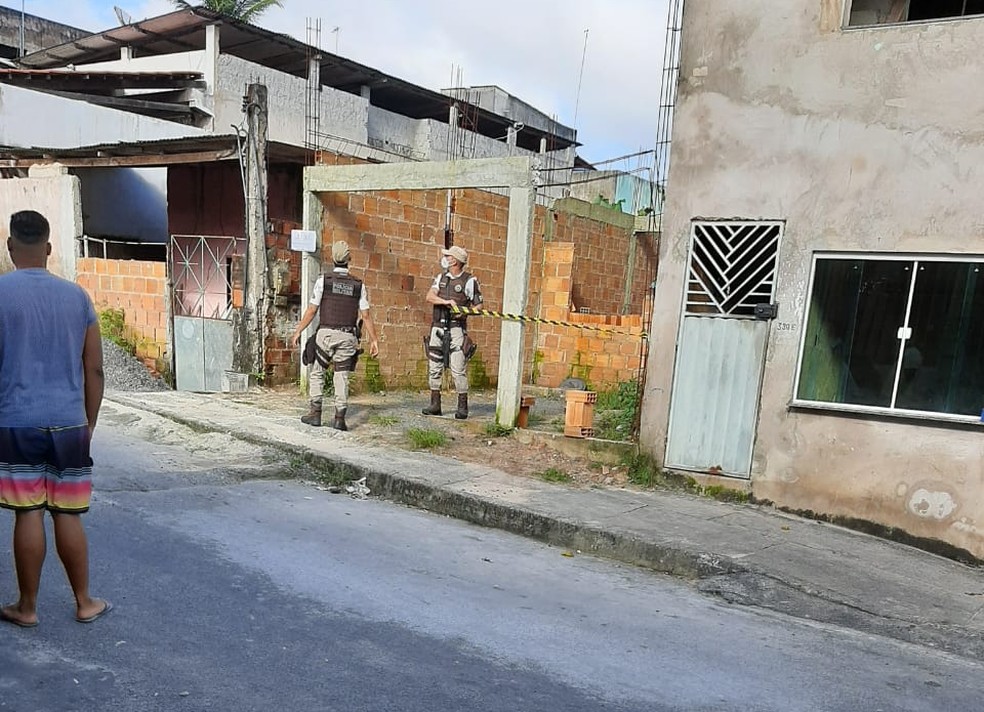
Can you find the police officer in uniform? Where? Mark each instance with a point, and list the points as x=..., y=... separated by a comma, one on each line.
x=341, y=300
x=455, y=287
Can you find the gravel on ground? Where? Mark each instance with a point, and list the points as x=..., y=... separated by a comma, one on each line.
x=125, y=372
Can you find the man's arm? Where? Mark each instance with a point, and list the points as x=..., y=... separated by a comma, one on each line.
x=370, y=328
x=308, y=317
x=474, y=294
x=433, y=298
x=92, y=369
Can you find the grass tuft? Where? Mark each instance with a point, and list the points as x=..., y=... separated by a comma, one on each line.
x=422, y=439
x=554, y=475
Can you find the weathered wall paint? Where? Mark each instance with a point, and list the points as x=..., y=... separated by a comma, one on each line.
x=55, y=194
x=864, y=139
x=38, y=32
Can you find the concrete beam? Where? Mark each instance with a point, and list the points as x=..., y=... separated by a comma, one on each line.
x=471, y=173
x=519, y=174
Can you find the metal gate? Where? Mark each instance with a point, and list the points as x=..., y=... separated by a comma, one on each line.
x=721, y=353
x=203, y=293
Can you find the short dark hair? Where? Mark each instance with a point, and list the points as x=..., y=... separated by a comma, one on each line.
x=29, y=227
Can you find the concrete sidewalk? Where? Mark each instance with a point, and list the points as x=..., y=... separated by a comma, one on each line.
x=745, y=554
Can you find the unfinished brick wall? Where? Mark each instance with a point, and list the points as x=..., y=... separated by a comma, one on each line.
x=396, y=239
x=602, y=359
x=139, y=290
x=281, y=361
x=397, y=236
x=613, y=265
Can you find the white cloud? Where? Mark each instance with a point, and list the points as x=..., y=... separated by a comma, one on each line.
x=530, y=48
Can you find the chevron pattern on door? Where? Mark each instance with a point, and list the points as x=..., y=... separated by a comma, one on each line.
x=732, y=267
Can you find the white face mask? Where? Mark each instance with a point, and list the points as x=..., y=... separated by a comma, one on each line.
x=444, y=263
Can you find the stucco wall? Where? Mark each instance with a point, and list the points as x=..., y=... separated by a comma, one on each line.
x=398, y=134
x=866, y=139
x=54, y=194
x=25, y=114
x=342, y=114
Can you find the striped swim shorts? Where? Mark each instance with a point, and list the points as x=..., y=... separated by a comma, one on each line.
x=45, y=468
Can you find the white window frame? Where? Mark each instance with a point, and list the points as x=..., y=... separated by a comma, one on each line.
x=914, y=258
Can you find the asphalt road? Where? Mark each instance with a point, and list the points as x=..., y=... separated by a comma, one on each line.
x=251, y=594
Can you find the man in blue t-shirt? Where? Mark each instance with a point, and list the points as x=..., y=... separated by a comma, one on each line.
x=51, y=388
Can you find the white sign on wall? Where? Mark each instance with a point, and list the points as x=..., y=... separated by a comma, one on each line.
x=303, y=240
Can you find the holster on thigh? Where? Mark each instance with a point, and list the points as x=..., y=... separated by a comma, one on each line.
x=434, y=354
x=348, y=364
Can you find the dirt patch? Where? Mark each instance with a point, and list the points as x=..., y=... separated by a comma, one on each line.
x=386, y=419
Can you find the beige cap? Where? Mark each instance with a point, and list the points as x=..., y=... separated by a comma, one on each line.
x=340, y=252
x=458, y=253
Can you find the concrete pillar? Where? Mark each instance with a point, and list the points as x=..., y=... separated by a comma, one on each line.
x=212, y=51
x=250, y=322
x=310, y=268
x=511, y=133
x=365, y=91
x=515, y=290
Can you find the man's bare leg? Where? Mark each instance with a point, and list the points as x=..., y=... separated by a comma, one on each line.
x=29, y=551
x=73, y=550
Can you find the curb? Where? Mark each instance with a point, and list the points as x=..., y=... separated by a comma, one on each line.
x=573, y=535
x=712, y=573
x=590, y=540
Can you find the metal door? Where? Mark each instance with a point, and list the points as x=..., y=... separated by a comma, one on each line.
x=722, y=346
x=202, y=271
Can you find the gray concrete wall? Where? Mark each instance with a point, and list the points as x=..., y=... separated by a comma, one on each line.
x=342, y=114
x=54, y=194
x=38, y=32
x=25, y=114
x=865, y=139
x=401, y=135
x=501, y=102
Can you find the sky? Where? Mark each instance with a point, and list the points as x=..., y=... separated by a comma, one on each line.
x=532, y=49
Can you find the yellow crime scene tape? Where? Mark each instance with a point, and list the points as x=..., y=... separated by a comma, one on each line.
x=467, y=311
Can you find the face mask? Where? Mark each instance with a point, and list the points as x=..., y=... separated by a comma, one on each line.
x=444, y=263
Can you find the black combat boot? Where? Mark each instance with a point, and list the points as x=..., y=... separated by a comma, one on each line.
x=435, y=406
x=313, y=417
x=339, y=422
x=462, y=411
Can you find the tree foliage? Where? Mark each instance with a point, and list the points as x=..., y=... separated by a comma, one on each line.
x=245, y=10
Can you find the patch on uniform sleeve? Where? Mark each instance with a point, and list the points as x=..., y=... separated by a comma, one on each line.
x=344, y=288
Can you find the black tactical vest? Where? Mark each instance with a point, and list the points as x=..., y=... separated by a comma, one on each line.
x=453, y=288
x=340, y=301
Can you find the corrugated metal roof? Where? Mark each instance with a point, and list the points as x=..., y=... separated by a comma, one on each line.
x=85, y=73
x=160, y=148
x=184, y=30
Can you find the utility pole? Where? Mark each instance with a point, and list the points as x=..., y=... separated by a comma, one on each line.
x=249, y=324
